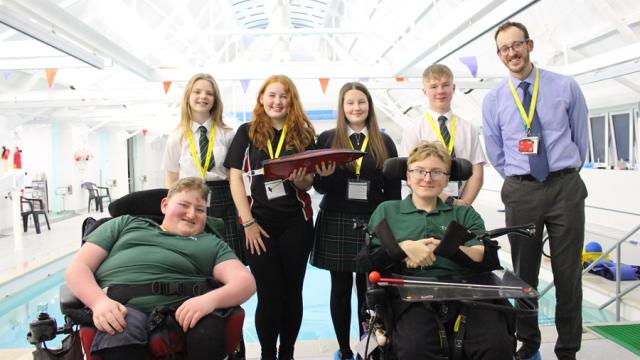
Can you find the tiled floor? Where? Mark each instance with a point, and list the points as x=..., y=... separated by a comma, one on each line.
x=32, y=251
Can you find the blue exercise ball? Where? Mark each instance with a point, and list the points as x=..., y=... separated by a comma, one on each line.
x=593, y=247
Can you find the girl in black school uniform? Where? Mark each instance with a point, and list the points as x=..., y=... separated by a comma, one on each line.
x=276, y=215
x=353, y=191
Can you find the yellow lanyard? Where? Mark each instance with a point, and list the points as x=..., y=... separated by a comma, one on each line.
x=359, y=161
x=194, y=152
x=527, y=118
x=280, y=142
x=436, y=129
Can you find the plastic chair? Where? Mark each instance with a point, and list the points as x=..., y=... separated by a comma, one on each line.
x=34, y=207
x=96, y=194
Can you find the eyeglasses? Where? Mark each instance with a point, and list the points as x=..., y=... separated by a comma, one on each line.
x=515, y=46
x=435, y=174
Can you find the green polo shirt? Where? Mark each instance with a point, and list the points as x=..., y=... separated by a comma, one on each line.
x=139, y=252
x=408, y=223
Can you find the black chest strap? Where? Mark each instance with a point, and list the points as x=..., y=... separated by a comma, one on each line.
x=122, y=293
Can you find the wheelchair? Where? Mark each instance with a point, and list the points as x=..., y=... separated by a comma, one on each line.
x=493, y=290
x=78, y=322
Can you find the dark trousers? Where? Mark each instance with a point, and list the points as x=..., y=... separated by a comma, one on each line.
x=415, y=334
x=204, y=341
x=558, y=204
x=279, y=274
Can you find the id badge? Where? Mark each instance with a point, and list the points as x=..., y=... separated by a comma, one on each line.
x=357, y=189
x=528, y=145
x=452, y=188
x=275, y=189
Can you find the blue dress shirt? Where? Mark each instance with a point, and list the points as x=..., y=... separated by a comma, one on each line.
x=562, y=111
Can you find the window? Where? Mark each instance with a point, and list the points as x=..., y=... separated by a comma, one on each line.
x=622, y=135
x=598, y=144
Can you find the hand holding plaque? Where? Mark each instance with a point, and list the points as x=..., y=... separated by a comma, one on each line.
x=283, y=166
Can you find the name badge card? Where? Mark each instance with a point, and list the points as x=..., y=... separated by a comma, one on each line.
x=529, y=145
x=452, y=188
x=275, y=189
x=357, y=190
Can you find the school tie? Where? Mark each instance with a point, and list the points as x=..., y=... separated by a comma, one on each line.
x=204, y=146
x=355, y=139
x=445, y=134
x=538, y=164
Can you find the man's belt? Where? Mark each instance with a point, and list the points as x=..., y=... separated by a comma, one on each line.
x=553, y=174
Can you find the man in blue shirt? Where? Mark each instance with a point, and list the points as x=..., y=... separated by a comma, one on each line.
x=535, y=131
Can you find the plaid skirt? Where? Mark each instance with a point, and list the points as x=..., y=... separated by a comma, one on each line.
x=222, y=207
x=336, y=242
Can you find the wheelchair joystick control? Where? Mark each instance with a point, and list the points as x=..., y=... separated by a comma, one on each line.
x=374, y=277
x=42, y=329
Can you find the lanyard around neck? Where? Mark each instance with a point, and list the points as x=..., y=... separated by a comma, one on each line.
x=527, y=118
x=194, y=153
x=280, y=142
x=359, y=161
x=436, y=129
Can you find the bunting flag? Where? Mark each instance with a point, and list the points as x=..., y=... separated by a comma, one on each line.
x=400, y=78
x=6, y=74
x=363, y=79
x=472, y=64
x=245, y=85
x=166, y=85
x=51, y=74
x=323, y=84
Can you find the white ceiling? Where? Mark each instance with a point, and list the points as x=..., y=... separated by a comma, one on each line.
x=138, y=44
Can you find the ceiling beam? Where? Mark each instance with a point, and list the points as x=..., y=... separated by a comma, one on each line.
x=14, y=19
x=55, y=18
x=473, y=20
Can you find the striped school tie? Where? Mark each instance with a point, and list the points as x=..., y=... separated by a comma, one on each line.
x=204, y=146
x=445, y=134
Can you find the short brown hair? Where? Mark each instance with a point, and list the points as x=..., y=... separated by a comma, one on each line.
x=437, y=71
x=509, y=24
x=427, y=149
x=187, y=184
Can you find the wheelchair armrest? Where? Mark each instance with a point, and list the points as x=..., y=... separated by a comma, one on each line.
x=68, y=300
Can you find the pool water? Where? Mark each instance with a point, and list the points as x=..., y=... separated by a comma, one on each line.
x=16, y=313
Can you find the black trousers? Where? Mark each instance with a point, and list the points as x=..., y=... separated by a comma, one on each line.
x=279, y=274
x=415, y=333
x=558, y=204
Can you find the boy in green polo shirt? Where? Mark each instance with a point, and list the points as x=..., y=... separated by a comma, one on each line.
x=131, y=250
x=416, y=222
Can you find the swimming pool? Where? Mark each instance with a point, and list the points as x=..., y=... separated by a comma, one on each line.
x=16, y=313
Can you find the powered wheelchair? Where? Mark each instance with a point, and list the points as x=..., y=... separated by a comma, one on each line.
x=449, y=303
x=164, y=339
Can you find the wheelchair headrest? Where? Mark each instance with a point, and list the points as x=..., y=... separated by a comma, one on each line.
x=145, y=203
x=396, y=169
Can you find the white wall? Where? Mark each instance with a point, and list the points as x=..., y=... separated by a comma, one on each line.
x=615, y=190
x=50, y=148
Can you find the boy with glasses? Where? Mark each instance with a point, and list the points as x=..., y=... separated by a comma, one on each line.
x=535, y=131
x=440, y=123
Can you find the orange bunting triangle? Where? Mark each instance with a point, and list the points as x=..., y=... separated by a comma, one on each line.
x=400, y=78
x=51, y=74
x=166, y=85
x=323, y=84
